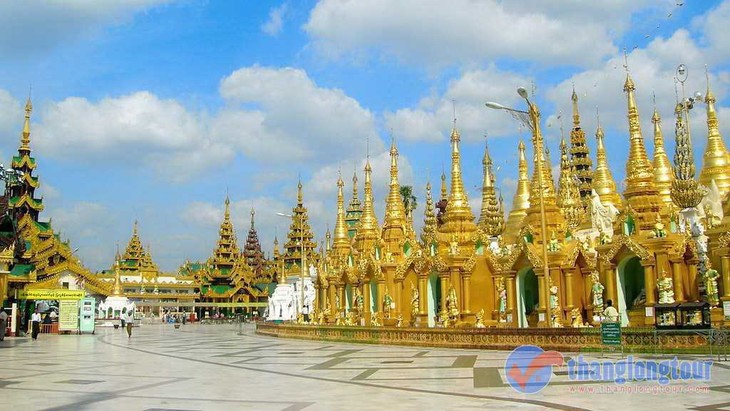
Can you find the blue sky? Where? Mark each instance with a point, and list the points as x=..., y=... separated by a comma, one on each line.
x=153, y=110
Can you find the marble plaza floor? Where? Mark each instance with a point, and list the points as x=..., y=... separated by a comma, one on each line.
x=212, y=367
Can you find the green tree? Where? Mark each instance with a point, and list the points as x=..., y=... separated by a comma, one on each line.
x=409, y=200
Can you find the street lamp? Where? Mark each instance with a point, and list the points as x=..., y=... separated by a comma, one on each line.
x=531, y=119
x=304, y=256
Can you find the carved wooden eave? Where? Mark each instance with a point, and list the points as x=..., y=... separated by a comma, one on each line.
x=7, y=255
x=724, y=240
x=625, y=242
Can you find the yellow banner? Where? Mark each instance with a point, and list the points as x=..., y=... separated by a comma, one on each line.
x=59, y=294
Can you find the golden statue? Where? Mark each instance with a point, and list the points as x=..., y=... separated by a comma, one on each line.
x=399, y=322
x=452, y=304
x=577, y=317
x=414, y=301
x=665, y=285
x=375, y=319
x=387, y=305
x=480, y=319
x=710, y=278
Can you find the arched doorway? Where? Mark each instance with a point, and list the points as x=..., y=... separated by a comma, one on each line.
x=434, y=297
x=630, y=274
x=528, y=296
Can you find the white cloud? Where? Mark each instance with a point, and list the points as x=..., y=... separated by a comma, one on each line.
x=431, y=120
x=467, y=31
x=37, y=26
x=88, y=225
x=11, y=119
x=295, y=119
x=275, y=23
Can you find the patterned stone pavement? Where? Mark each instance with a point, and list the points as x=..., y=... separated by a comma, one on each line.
x=212, y=367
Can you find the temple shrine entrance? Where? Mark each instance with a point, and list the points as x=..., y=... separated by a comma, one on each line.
x=528, y=298
x=374, y=297
x=348, y=297
x=434, y=297
x=631, y=290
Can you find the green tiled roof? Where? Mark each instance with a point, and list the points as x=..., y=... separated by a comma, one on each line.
x=21, y=270
x=27, y=245
x=18, y=158
x=43, y=226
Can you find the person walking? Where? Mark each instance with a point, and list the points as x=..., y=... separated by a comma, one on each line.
x=3, y=323
x=129, y=321
x=35, y=320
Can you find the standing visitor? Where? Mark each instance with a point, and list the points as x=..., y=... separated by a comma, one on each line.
x=35, y=321
x=129, y=320
x=3, y=323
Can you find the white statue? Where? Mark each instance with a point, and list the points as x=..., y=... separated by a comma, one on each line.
x=712, y=201
x=602, y=216
x=597, y=289
x=665, y=286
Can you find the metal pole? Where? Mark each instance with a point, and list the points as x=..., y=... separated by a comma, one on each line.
x=303, y=260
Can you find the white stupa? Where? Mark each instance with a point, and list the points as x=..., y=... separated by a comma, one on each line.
x=115, y=304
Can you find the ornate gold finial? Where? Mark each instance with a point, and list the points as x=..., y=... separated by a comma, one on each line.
x=603, y=181
x=716, y=160
x=444, y=192
x=640, y=192
x=580, y=158
x=300, y=196
x=686, y=192
x=253, y=213
x=342, y=241
x=521, y=201
x=491, y=218
x=569, y=193
x=663, y=174
x=25, y=136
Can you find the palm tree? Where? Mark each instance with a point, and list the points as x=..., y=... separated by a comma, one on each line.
x=409, y=200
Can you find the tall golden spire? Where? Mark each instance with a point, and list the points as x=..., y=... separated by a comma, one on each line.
x=569, y=199
x=117, y=290
x=521, y=201
x=640, y=192
x=663, y=174
x=603, y=182
x=341, y=240
x=716, y=160
x=491, y=218
x=394, y=223
x=580, y=158
x=25, y=135
x=368, y=230
x=429, y=222
x=458, y=219
x=686, y=192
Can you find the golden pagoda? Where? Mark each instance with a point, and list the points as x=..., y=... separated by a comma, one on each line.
x=580, y=158
x=716, y=160
x=521, y=200
x=603, y=182
x=663, y=173
x=569, y=194
x=641, y=194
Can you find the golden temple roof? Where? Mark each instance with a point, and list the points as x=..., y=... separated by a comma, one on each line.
x=580, y=158
x=341, y=240
x=569, y=199
x=368, y=230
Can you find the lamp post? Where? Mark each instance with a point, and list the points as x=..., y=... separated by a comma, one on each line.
x=303, y=255
x=531, y=119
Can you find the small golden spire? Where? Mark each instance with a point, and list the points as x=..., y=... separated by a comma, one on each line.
x=716, y=160
x=368, y=230
x=342, y=241
x=640, y=192
x=521, y=201
x=458, y=214
x=686, y=192
x=603, y=182
x=491, y=219
x=354, y=209
x=117, y=291
x=253, y=213
x=395, y=213
x=429, y=222
x=663, y=174
x=25, y=136
x=444, y=191
x=300, y=196
x=569, y=194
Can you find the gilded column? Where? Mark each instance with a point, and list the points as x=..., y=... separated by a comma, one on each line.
x=466, y=285
x=692, y=292
x=511, y=295
x=343, y=302
x=397, y=298
x=381, y=295
x=725, y=265
x=649, y=284
x=677, y=280
x=331, y=297
x=609, y=278
x=569, y=302
x=444, y=291
x=422, y=296
x=366, y=302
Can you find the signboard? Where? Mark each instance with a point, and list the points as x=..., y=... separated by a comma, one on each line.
x=68, y=316
x=87, y=315
x=58, y=294
x=611, y=333
x=726, y=310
